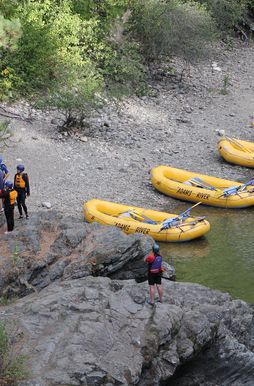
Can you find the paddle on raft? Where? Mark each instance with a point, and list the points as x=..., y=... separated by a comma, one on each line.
x=174, y=220
x=235, y=189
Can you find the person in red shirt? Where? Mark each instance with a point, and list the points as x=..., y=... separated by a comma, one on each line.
x=154, y=261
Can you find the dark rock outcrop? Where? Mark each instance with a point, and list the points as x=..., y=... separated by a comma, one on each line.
x=49, y=247
x=98, y=331
x=86, y=329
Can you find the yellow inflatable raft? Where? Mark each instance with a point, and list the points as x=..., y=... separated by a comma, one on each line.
x=208, y=190
x=160, y=225
x=237, y=151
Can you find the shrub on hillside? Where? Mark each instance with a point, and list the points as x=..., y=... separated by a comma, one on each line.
x=227, y=13
x=10, y=33
x=12, y=365
x=71, y=35
x=167, y=28
x=74, y=95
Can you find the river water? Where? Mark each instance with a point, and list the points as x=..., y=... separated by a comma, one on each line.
x=224, y=258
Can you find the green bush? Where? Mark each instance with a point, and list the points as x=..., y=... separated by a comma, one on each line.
x=75, y=95
x=167, y=28
x=10, y=32
x=4, y=133
x=227, y=13
x=12, y=365
x=65, y=46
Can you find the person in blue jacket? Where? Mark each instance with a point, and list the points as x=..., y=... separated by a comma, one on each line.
x=154, y=261
x=3, y=176
x=4, y=169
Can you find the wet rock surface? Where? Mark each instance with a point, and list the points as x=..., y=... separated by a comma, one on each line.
x=98, y=331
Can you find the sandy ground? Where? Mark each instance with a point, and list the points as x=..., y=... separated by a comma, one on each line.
x=177, y=128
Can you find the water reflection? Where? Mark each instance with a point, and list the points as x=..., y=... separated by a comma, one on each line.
x=224, y=258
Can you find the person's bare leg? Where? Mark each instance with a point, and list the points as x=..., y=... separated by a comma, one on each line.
x=152, y=292
x=160, y=291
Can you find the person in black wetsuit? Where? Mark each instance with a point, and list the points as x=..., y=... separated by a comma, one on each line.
x=9, y=196
x=22, y=186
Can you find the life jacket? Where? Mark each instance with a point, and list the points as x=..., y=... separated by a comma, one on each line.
x=155, y=266
x=13, y=195
x=19, y=181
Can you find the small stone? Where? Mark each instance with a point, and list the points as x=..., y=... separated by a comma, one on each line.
x=220, y=133
x=183, y=120
x=46, y=205
x=84, y=139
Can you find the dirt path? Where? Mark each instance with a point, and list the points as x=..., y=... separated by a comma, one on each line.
x=177, y=128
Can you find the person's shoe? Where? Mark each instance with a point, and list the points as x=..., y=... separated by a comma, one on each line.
x=27, y=217
x=20, y=216
x=159, y=301
x=1, y=210
x=6, y=232
x=149, y=302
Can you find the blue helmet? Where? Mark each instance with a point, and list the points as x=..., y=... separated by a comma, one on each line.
x=8, y=184
x=21, y=168
x=156, y=248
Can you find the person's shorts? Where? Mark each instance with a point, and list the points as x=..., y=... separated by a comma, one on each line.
x=154, y=278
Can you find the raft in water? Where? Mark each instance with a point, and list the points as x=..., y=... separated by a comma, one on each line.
x=196, y=187
x=132, y=219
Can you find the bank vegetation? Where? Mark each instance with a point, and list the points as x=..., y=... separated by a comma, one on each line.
x=74, y=55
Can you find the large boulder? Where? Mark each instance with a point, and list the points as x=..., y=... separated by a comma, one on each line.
x=98, y=331
x=49, y=247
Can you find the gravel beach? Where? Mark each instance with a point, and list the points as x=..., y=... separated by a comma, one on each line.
x=111, y=160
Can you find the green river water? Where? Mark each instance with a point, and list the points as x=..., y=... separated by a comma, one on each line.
x=224, y=258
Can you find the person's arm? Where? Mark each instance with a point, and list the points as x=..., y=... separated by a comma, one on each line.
x=5, y=171
x=1, y=180
x=26, y=179
x=3, y=194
